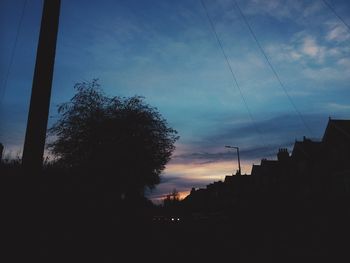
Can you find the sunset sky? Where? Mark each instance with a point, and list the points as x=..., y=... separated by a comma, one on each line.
x=166, y=51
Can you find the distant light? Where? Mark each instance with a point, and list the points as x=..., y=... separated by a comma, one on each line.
x=172, y=219
x=178, y=219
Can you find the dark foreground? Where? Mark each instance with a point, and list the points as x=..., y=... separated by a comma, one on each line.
x=47, y=224
x=95, y=237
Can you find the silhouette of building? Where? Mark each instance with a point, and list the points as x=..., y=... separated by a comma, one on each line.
x=313, y=167
x=336, y=141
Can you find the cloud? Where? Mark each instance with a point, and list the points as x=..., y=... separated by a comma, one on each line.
x=295, y=10
x=337, y=32
x=333, y=106
x=344, y=62
x=303, y=47
x=249, y=154
x=314, y=57
x=274, y=133
x=272, y=8
x=276, y=129
x=330, y=74
x=312, y=49
x=330, y=62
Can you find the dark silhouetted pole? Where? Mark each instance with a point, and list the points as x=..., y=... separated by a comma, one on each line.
x=41, y=90
x=1, y=151
x=239, y=161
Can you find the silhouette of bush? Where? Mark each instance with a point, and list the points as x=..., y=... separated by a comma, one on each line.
x=10, y=165
x=123, y=141
x=172, y=199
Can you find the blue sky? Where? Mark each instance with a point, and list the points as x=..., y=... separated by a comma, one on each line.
x=166, y=51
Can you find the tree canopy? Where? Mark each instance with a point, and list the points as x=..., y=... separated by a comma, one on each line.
x=124, y=140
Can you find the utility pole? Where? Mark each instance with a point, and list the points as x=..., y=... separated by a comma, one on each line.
x=1, y=151
x=239, y=161
x=34, y=144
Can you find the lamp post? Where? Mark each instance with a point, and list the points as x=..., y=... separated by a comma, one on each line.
x=239, y=162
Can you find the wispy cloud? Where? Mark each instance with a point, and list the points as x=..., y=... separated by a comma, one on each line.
x=345, y=62
x=338, y=107
x=303, y=47
x=280, y=131
x=312, y=49
x=326, y=74
x=296, y=10
x=337, y=31
x=318, y=58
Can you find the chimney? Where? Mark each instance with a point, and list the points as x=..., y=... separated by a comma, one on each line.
x=282, y=155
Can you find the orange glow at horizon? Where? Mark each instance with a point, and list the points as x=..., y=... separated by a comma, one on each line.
x=207, y=172
x=198, y=175
x=182, y=195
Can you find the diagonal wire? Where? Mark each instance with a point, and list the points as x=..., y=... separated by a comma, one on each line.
x=272, y=68
x=230, y=68
x=13, y=51
x=335, y=13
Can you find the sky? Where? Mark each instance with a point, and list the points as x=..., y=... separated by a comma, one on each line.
x=167, y=52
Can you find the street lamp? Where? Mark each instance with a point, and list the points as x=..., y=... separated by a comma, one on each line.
x=239, y=162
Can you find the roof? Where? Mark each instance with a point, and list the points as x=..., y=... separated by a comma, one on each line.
x=306, y=148
x=337, y=129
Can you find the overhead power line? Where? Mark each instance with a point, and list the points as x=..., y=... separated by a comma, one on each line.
x=272, y=67
x=13, y=51
x=230, y=68
x=336, y=14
